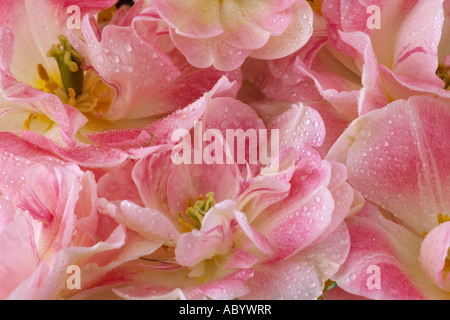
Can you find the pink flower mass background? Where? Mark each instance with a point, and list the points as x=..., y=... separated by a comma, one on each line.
x=353, y=204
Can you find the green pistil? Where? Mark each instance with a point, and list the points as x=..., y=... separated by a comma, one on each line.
x=193, y=215
x=69, y=62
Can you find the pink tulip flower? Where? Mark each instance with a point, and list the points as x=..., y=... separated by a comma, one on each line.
x=397, y=158
x=225, y=33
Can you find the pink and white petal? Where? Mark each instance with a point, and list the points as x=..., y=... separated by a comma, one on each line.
x=230, y=116
x=401, y=87
x=84, y=155
x=196, y=51
x=343, y=196
x=299, y=219
x=434, y=254
x=192, y=18
x=415, y=53
x=286, y=86
x=215, y=236
x=60, y=232
x=229, y=113
x=299, y=126
x=187, y=117
x=100, y=263
x=133, y=97
x=134, y=15
x=176, y=285
x=259, y=241
x=341, y=93
x=19, y=252
x=86, y=210
x=240, y=259
x=293, y=38
x=39, y=194
x=392, y=160
x=230, y=287
x=196, y=246
x=269, y=13
x=120, y=138
x=391, y=254
x=335, y=125
x=12, y=180
x=7, y=213
x=373, y=95
x=303, y=275
x=226, y=56
x=149, y=223
x=118, y=184
x=240, y=31
x=193, y=82
x=192, y=180
x=11, y=144
x=150, y=293
x=150, y=175
x=262, y=192
x=35, y=28
x=348, y=16
x=49, y=279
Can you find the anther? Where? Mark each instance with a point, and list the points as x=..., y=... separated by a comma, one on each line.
x=42, y=73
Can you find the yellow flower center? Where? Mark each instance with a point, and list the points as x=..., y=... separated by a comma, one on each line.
x=193, y=216
x=82, y=89
x=443, y=72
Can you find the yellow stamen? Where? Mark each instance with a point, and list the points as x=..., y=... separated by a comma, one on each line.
x=193, y=216
x=190, y=228
x=51, y=86
x=442, y=218
x=41, y=120
x=42, y=73
x=27, y=123
x=72, y=96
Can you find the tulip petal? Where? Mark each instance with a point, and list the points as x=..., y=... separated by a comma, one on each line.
x=393, y=161
x=303, y=275
x=434, y=254
x=382, y=263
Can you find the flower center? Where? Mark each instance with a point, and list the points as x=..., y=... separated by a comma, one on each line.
x=443, y=72
x=82, y=89
x=193, y=216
